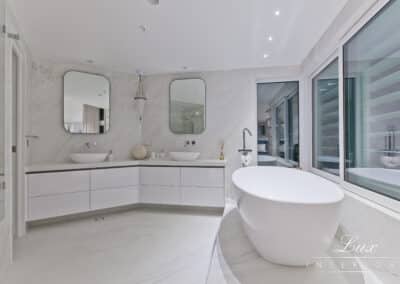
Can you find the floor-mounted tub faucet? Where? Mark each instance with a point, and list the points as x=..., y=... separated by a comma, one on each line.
x=246, y=158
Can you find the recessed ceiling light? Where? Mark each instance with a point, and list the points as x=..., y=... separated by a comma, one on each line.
x=154, y=2
x=270, y=38
x=90, y=61
x=142, y=28
x=266, y=55
x=277, y=12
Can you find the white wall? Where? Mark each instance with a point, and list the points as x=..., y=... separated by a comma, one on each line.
x=360, y=218
x=46, y=115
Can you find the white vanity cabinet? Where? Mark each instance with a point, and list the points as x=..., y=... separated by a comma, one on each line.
x=114, y=187
x=63, y=192
x=203, y=187
x=160, y=185
x=191, y=186
x=57, y=194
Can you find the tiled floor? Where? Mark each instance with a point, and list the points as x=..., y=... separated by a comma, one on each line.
x=146, y=246
x=139, y=246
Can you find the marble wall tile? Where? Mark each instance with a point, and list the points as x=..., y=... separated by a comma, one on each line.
x=45, y=110
x=231, y=105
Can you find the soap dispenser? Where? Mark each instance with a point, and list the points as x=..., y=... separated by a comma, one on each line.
x=221, y=154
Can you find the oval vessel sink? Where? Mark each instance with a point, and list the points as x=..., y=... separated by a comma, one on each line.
x=184, y=156
x=84, y=158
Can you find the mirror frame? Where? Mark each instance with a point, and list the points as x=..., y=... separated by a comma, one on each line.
x=63, y=100
x=205, y=104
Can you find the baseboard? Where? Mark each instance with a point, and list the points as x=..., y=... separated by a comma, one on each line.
x=192, y=210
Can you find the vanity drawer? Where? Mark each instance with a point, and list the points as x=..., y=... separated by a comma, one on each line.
x=164, y=176
x=204, y=177
x=114, y=178
x=58, y=183
x=57, y=205
x=204, y=196
x=108, y=198
x=152, y=194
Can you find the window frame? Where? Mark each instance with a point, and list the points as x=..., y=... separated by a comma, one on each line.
x=284, y=102
x=330, y=59
x=388, y=205
x=326, y=64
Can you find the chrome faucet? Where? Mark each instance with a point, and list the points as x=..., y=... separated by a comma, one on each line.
x=89, y=145
x=244, y=150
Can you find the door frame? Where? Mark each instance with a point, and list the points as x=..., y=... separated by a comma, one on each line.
x=275, y=103
x=11, y=47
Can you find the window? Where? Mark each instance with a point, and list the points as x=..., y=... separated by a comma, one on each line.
x=371, y=66
x=325, y=89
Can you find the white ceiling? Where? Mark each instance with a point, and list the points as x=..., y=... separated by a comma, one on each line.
x=199, y=34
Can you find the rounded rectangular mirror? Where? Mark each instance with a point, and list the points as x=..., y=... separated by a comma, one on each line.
x=86, y=103
x=187, y=100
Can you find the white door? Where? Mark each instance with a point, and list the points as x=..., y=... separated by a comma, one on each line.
x=5, y=242
x=15, y=78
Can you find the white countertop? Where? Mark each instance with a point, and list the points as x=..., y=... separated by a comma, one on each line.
x=75, y=166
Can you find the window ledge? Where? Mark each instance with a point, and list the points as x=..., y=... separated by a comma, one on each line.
x=377, y=201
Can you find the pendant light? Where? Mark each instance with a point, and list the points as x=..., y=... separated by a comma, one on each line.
x=140, y=99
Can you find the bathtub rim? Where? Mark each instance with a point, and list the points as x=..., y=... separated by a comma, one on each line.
x=338, y=189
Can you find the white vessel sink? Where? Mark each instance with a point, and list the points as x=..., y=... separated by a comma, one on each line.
x=85, y=158
x=184, y=156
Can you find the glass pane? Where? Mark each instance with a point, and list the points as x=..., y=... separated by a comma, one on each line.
x=86, y=103
x=187, y=101
x=293, y=116
x=372, y=104
x=278, y=123
x=326, y=119
x=280, y=130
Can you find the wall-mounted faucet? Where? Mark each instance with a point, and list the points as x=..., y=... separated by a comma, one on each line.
x=90, y=144
x=188, y=143
x=29, y=138
x=390, y=140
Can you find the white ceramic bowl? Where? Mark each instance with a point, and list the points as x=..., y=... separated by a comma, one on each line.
x=88, y=158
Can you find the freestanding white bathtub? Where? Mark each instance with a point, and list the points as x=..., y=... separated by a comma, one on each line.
x=290, y=216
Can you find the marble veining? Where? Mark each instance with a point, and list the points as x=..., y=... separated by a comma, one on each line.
x=236, y=88
x=235, y=261
x=45, y=113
